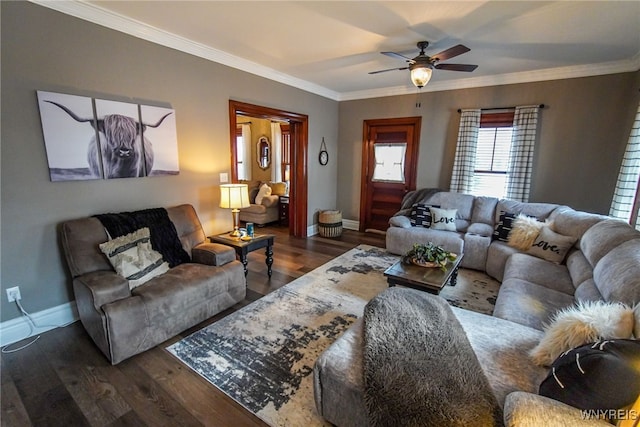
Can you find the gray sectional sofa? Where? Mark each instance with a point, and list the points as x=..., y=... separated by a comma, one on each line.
x=603, y=264
x=122, y=321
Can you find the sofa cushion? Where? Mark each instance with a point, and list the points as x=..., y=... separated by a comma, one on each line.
x=603, y=375
x=602, y=237
x=443, y=219
x=462, y=202
x=551, y=246
x=400, y=221
x=497, y=256
x=617, y=275
x=133, y=258
x=400, y=240
x=573, y=223
x=579, y=268
x=540, y=272
x=588, y=291
x=484, y=209
x=529, y=304
x=538, y=210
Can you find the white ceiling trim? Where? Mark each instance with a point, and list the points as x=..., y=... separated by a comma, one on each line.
x=106, y=18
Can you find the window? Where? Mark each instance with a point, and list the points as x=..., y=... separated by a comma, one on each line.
x=286, y=152
x=389, y=162
x=492, y=155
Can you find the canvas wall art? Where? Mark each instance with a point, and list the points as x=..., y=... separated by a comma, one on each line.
x=119, y=140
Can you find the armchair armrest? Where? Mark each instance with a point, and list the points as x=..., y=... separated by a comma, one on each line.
x=400, y=221
x=213, y=254
x=269, y=201
x=523, y=409
x=101, y=287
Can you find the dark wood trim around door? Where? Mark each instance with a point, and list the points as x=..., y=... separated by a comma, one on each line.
x=299, y=128
x=413, y=125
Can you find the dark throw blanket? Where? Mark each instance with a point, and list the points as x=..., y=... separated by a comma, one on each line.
x=419, y=368
x=164, y=237
x=413, y=197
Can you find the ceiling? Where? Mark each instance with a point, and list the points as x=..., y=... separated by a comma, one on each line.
x=328, y=47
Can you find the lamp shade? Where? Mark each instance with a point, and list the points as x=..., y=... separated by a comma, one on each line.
x=420, y=74
x=234, y=196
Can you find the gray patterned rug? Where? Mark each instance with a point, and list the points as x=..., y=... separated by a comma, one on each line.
x=262, y=355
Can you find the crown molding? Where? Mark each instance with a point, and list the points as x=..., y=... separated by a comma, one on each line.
x=106, y=18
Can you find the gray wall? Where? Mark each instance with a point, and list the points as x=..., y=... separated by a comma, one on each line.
x=46, y=50
x=582, y=136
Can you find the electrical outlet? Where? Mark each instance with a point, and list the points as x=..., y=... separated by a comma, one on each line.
x=13, y=294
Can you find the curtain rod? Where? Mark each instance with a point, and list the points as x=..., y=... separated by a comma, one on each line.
x=243, y=123
x=499, y=108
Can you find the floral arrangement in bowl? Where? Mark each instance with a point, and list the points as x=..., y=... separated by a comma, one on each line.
x=428, y=255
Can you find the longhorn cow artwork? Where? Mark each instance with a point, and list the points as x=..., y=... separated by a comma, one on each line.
x=117, y=147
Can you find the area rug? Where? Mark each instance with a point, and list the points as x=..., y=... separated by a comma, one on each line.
x=263, y=355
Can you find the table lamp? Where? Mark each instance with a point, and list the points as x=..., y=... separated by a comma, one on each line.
x=234, y=197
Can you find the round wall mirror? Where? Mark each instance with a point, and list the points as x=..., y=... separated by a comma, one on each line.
x=263, y=152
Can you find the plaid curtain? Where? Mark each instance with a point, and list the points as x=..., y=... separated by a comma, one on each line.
x=626, y=191
x=465, y=160
x=525, y=124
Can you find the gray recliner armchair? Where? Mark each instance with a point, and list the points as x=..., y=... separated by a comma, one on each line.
x=122, y=321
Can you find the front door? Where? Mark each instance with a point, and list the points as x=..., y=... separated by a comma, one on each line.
x=389, y=163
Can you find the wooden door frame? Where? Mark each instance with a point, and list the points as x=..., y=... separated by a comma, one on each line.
x=366, y=145
x=299, y=147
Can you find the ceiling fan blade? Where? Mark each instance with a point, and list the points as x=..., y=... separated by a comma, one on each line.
x=389, y=69
x=451, y=52
x=397, y=55
x=457, y=67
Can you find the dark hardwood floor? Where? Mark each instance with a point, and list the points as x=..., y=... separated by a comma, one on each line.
x=64, y=380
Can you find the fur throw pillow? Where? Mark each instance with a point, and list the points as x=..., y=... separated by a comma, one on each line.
x=524, y=231
x=584, y=323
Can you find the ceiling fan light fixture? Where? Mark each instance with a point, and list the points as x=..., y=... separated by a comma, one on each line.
x=420, y=74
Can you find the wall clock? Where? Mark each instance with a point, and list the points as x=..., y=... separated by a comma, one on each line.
x=323, y=157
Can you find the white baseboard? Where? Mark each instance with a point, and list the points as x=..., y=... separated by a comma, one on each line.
x=351, y=224
x=18, y=329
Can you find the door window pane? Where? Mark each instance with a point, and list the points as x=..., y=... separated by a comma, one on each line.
x=389, y=162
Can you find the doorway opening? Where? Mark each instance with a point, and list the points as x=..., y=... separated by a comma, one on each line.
x=299, y=141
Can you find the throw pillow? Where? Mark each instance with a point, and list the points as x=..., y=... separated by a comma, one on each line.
x=443, y=219
x=584, y=323
x=264, y=191
x=551, y=246
x=604, y=375
x=420, y=215
x=133, y=258
x=524, y=231
x=503, y=227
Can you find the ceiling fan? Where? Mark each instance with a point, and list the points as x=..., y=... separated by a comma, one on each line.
x=422, y=65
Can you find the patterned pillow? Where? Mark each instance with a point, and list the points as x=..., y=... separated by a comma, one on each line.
x=133, y=258
x=420, y=215
x=444, y=219
x=504, y=225
x=603, y=375
x=551, y=246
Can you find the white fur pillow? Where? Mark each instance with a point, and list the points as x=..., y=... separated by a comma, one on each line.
x=264, y=191
x=524, y=231
x=582, y=324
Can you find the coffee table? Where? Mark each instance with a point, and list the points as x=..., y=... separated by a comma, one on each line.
x=427, y=279
x=243, y=247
